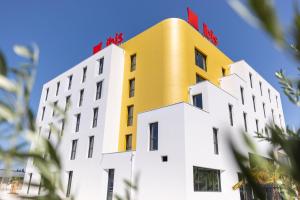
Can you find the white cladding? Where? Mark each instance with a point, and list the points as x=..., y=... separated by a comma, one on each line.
x=185, y=132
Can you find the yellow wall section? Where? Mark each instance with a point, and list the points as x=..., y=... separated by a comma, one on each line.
x=165, y=57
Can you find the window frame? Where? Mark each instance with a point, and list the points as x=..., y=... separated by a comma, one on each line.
x=74, y=149
x=195, y=100
x=153, y=136
x=133, y=62
x=204, y=59
x=91, y=146
x=204, y=177
x=95, y=117
x=130, y=113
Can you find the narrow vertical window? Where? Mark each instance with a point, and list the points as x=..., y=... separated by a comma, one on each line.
x=133, y=63
x=29, y=183
x=276, y=101
x=272, y=111
x=110, y=184
x=250, y=78
x=91, y=146
x=128, y=142
x=62, y=127
x=153, y=146
x=57, y=88
x=40, y=186
x=69, y=183
x=43, y=113
x=130, y=115
x=73, y=150
x=269, y=92
x=230, y=108
x=70, y=82
x=131, y=87
x=253, y=101
x=223, y=72
x=81, y=97
x=197, y=101
x=47, y=93
x=260, y=87
x=101, y=63
x=200, y=59
x=54, y=108
x=257, y=127
x=245, y=121
x=264, y=109
x=242, y=95
x=98, y=90
x=215, y=137
x=83, y=74
x=280, y=121
x=50, y=131
x=68, y=102
x=77, y=122
x=95, y=117
x=199, y=78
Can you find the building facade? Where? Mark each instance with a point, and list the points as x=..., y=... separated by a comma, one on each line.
x=162, y=106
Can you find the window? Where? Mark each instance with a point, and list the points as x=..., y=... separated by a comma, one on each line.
x=250, y=78
x=98, y=90
x=131, y=87
x=54, y=108
x=230, y=107
x=83, y=74
x=81, y=97
x=68, y=98
x=69, y=183
x=264, y=109
x=130, y=115
x=110, y=184
x=133, y=62
x=153, y=136
x=70, y=82
x=223, y=72
x=257, y=127
x=62, y=127
x=73, y=151
x=272, y=111
x=245, y=121
x=164, y=158
x=29, y=182
x=276, y=101
x=43, y=113
x=101, y=63
x=269, y=92
x=40, y=186
x=242, y=95
x=47, y=92
x=77, y=122
x=199, y=78
x=280, y=120
x=128, y=142
x=253, y=101
x=50, y=131
x=206, y=180
x=200, y=59
x=197, y=101
x=260, y=87
x=91, y=146
x=215, y=137
x=95, y=117
x=57, y=88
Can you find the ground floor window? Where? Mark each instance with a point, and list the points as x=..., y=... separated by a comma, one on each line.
x=206, y=179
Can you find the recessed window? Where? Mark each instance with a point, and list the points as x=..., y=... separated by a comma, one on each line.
x=250, y=79
x=206, y=180
x=276, y=100
x=95, y=117
x=245, y=121
x=197, y=101
x=257, y=125
x=230, y=108
x=264, y=109
x=110, y=184
x=242, y=95
x=80, y=97
x=269, y=92
x=128, y=142
x=164, y=158
x=280, y=120
x=70, y=82
x=260, y=87
x=99, y=90
x=215, y=137
x=50, y=131
x=29, y=183
x=133, y=62
x=272, y=111
x=223, y=72
x=131, y=87
x=101, y=64
x=77, y=122
x=54, y=107
x=69, y=183
x=253, y=101
x=74, y=148
x=91, y=146
x=199, y=78
x=43, y=113
x=84, y=74
x=153, y=146
x=68, y=103
x=47, y=93
x=200, y=59
x=57, y=88
x=130, y=115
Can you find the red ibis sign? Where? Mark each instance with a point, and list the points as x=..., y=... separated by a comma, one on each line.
x=118, y=39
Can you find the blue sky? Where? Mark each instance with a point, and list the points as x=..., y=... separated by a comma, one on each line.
x=66, y=31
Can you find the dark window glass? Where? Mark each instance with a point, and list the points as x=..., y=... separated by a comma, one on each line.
x=280, y=120
x=77, y=122
x=197, y=101
x=95, y=117
x=264, y=109
x=131, y=87
x=50, y=131
x=230, y=108
x=276, y=101
x=68, y=102
x=250, y=78
x=91, y=146
x=206, y=180
x=199, y=78
x=110, y=184
x=70, y=82
x=29, y=183
x=130, y=115
x=242, y=95
x=253, y=101
x=272, y=111
x=73, y=151
x=99, y=90
x=81, y=97
x=200, y=59
x=69, y=183
x=57, y=88
x=43, y=113
x=223, y=72
x=245, y=191
x=62, y=127
x=260, y=87
x=84, y=74
x=269, y=92
x=101, y=64
x=128, y=142
x=153, y=136
x=132, y=62
x=245, y=121
x=54, y=108
x=215, y=136
x=257, y=127
x=47, y=92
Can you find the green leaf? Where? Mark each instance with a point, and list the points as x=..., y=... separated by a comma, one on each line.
x=23, y=51
x=6, y=112
x=7, y=84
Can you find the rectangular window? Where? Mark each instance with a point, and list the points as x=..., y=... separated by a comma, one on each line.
x=245, y=121
x=242, y=95
x=62, y=127
x=131, y=87
x=47, y=93
x=280, y=121
x=68, y=102
x=269, y=92
x=230, y=108
x=128, y=142
x=91, y=146
x=99, y=90
x=50, y=131
x=197, y=101
x=83, y=74
x=81, y=97
x=199, y=78
x=73, y=151
x=206, y=180
x=77, y=122
x=260, y=87
x=253, y=101
x=257, y=126
x=272, y=111
x=153, y=146
x=54, y=108
x=200, y=59
x=250, y=78
x=215, y=137
x=101, y=64
x=133, y=62
x=69, y=183
x=29, y=183
x=95, y=117
x=130, y=115
x=276, y=100
x=264, y=109
x=43, y=113
x=110, y=184
x=70, y=82
x=223, y=72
